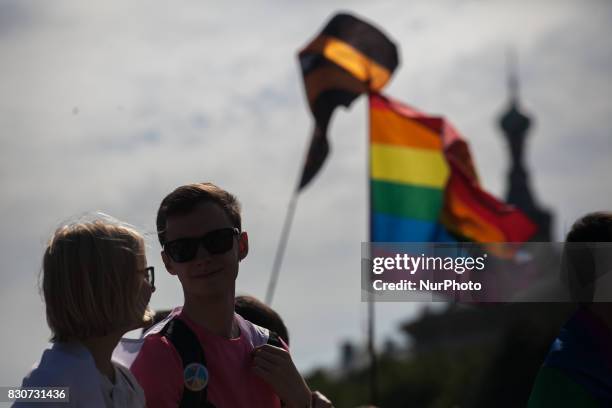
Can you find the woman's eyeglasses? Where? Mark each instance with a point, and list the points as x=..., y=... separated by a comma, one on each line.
x=150, y=275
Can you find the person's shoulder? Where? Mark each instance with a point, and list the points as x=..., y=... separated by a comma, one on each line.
x=61, y=364
x=251, y=332
x=157, y=349
x=48, y=376
x=67, y=365
x=256, y=335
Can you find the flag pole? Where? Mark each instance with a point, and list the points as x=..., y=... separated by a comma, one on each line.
x=282, y=243
x=371, y=311
x=280, y=249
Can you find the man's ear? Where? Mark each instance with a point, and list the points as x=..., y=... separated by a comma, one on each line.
x=243, y=245
x=167, y=263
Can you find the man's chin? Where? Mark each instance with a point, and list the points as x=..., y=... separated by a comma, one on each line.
x=212, y=291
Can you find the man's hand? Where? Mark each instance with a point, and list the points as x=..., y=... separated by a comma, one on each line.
x=274, y=366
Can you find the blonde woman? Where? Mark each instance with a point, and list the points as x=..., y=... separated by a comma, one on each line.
x=96, y=286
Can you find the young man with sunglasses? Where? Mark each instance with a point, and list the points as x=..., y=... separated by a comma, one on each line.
x=199, y=228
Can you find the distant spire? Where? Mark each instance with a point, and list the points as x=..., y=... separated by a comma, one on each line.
x=513, y=79
x=515, y=124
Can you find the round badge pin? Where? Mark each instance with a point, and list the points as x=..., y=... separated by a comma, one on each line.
x=195, y=376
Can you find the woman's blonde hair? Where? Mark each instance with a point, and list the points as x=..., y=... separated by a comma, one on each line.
x=90, y=279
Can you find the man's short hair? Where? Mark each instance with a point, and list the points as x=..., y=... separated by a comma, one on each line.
x=257, y=312
x=185, y=198
x=578, y=260
x=90, y=280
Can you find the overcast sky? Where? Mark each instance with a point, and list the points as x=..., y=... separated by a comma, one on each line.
x=111, y=105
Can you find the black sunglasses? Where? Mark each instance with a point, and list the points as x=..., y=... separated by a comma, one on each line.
x=150, y=275
x=215, y=242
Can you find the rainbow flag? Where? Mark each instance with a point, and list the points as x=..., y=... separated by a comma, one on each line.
x=424, y=186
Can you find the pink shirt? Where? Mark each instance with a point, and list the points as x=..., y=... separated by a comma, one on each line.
x=232, y=384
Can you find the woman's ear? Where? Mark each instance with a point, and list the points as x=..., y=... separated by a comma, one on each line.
x=243, y=245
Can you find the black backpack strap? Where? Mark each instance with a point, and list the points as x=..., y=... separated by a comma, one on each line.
x=274, y=339
x=190, y=350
